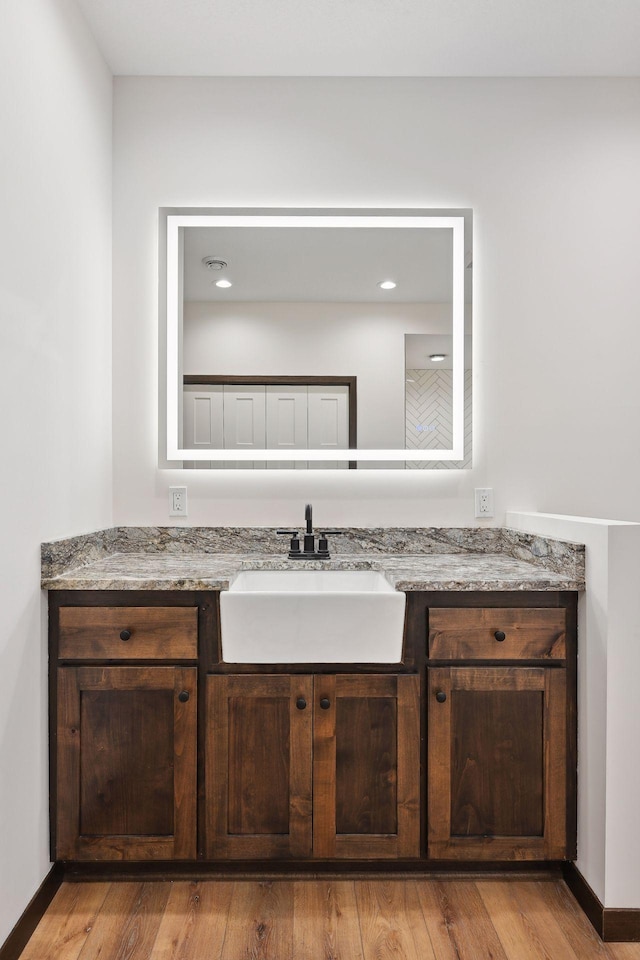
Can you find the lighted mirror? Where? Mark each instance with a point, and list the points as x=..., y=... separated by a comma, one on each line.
x=317, y=339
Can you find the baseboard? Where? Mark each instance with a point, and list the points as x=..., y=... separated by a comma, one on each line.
x=35, y=910
x=611, y=925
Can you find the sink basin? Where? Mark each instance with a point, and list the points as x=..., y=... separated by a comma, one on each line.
x=311, y=616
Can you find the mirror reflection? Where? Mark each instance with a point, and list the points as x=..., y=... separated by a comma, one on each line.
x=334, y=347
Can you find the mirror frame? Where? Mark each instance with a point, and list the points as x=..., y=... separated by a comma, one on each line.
x=172, y=221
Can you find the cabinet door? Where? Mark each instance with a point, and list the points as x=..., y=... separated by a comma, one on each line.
x=258, y=766
x=126, y=763
x=366, y=766
x=496, y=763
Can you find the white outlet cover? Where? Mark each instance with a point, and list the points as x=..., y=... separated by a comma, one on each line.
x=483, y=502
x=177, y=501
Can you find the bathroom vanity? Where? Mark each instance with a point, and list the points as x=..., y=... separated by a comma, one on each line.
x=462, y=751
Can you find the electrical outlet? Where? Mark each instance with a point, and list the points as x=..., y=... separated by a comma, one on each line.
x=484, y=502
x=177, y=501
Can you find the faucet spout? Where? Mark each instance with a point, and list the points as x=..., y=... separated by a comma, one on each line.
x=308, y=516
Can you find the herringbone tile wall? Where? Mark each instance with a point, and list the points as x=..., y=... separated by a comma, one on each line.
x=429, y=409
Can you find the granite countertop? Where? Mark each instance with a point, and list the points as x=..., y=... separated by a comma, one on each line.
x=192, y=559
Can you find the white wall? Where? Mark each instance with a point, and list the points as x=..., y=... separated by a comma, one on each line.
x=550, y=170
x=55, y=378
x=608, y=703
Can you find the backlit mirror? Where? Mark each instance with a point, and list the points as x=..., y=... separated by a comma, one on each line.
x=317, y=339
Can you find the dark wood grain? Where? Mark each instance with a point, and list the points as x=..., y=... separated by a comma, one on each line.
x=259, y=736
x=93, y=633
x=126, y=762
x=258, y=767
x=366, y=767
x=469, y=634
x=497, y=763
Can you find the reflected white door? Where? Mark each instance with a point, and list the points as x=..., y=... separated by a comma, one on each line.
x=287, y=423
x=328, y=419
x=202, y=420
x=244, y=423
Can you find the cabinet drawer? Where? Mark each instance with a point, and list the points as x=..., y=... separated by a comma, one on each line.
x=128, y=633
x=498, y=633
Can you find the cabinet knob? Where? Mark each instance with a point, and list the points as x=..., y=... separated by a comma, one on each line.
x=500, y=635
x=441, y=696
x=183, y=696
x=125, y=634
x=325, y=703
x=301, y=703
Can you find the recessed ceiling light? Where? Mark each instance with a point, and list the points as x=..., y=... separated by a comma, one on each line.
x=223, y=283
x=437, y=357
x=387, y=284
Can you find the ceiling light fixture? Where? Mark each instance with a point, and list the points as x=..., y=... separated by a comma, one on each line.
x=437, y=357
x=387, y=284
x=223, y=283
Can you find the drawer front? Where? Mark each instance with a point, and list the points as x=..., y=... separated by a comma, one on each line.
x=128, y=633
x=499, y=633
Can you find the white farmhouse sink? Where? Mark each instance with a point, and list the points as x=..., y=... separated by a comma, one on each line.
x=311, y=616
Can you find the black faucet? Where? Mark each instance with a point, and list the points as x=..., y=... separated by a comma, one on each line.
x=309, y=551
x=309, y=539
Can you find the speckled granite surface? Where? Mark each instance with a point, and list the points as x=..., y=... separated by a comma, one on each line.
x=206, y=558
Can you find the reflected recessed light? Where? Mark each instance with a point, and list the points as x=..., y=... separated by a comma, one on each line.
x=437, y=357
x=387, y=284
x=223, y=283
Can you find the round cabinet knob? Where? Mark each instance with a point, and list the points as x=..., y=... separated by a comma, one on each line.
x=125, y=634
x=183, y=696
x=301, y=703
x=500, y=635
x=441, y=696
x=325, y=703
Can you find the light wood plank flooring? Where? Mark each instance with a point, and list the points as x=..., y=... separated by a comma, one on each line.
x=320, y=920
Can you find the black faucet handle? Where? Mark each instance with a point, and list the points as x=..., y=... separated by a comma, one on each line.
x=323, y=543
x=294, y=543
x=332, y=533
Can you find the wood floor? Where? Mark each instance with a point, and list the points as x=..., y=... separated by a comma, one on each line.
x=319, y=920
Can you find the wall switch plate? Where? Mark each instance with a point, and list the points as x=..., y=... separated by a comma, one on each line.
x=484, y=501
x=177, y=501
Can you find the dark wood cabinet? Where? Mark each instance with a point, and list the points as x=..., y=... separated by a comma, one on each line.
x=499, y=735
x=366, y=765
x=160, y=751
x=126, y=763
x=258, y=766
x=325, y=766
